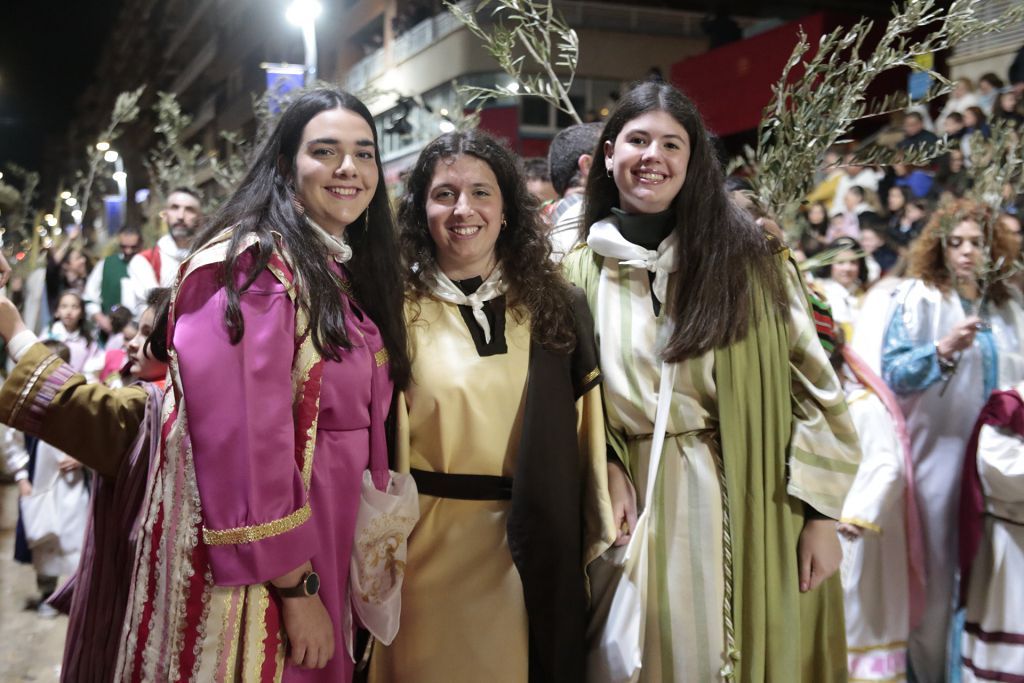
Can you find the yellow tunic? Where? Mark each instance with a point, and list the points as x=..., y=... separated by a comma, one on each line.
x=463, y=613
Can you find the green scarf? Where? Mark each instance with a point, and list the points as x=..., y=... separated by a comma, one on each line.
x=755, y=423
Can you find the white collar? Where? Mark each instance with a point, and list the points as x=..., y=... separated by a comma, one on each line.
x=606, y=240
x=337, y=247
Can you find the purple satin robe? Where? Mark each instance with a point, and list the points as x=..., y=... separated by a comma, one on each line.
x=239, y=404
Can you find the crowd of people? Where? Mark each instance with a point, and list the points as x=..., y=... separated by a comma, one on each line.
x=613, y=351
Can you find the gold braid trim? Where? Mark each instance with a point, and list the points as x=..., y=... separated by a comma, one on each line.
x=33, y=380
x=591, y=376
x=257, y=532
x=381, y=357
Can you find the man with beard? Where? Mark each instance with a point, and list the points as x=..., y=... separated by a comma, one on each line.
x=156, y=267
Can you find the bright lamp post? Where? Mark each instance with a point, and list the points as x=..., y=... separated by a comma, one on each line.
x=303, y=13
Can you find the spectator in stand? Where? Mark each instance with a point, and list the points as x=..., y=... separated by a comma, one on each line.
x=857, y=203
x=989, y=86
x=975, y=121
x=158, y=266
x=912, y=221
x=108, y=285
x=827, y=177
x=952, y=176
x=862, y=176
x=569, y=159
x=812, y=237
x=915, y=178
x=1006, y=108
x=953, y=126
x=914, y=132
x=880, y=256
x=962, y=97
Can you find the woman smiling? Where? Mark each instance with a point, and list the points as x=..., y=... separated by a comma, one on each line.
x=501, y=427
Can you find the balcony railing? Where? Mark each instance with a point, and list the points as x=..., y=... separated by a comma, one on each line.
x=644, y=20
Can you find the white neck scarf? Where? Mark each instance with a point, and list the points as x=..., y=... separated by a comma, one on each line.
x=337, y=247
x=606, y=240
x=492, y=288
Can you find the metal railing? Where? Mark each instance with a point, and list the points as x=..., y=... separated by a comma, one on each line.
x=627, y=18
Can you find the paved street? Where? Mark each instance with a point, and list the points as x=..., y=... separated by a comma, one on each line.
x=31, y=646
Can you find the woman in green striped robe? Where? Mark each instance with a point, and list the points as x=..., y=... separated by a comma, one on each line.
x=760, y=450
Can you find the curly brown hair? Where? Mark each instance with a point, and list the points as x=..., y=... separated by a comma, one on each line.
x=927, y=258
x=535, y=283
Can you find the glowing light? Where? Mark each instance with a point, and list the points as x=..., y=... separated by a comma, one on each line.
x=110, y=155
x=446, y=126
x=50, y=219
x=120, y=176
x=444, y=112
x=71, y=201
x=102, y=146
x=303, y=12
x=76, y=214
x=65, y=194
x=513, y=87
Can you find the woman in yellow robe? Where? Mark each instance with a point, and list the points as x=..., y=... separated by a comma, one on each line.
x=501, y=427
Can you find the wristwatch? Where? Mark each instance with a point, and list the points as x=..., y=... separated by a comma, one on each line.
x=307, y=587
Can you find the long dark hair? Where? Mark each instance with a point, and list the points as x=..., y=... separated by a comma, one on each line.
x=534, y=281
x=722, y=254
x=263, y=206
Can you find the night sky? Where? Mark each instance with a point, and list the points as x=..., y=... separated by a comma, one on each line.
x=48, y=54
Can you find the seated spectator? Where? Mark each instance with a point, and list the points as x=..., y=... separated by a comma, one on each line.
x=952, y=177
x=953, y=126
x=962, y=97
x=865, y=177
x=989, y=86
x=812, y=235
x=975, y=121
x=914, y=132
x=915, y=178
x=1006, y=108
x=855, y=205
x=915, y=215
x=881, y=257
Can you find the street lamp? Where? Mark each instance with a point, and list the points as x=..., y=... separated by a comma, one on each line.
x=110, y=156
x=303, y=13
x=102, y=146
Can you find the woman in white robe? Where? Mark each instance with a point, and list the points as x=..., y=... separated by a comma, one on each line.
x=949, y=343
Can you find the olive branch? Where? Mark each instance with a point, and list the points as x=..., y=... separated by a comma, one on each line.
x=819, y=99
x=525, y=28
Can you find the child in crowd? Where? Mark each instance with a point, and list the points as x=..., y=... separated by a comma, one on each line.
x=114, y=431
x=54, y=508
x=71, y=328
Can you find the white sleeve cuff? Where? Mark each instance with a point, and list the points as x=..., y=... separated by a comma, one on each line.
x=20, y=474
x=20, y=343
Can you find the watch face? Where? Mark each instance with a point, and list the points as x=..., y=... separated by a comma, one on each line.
x=312, y=584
